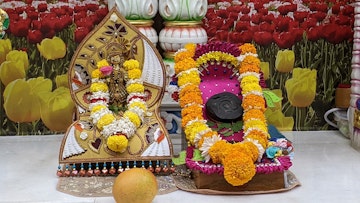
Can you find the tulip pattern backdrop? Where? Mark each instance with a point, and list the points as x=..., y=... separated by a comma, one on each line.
x=305, y=47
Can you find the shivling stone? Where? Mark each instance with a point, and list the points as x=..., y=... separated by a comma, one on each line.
x=224, y=107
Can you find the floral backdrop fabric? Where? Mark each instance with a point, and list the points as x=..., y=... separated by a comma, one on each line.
x=305, y=47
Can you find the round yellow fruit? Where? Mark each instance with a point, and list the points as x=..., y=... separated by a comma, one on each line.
x=136, y=185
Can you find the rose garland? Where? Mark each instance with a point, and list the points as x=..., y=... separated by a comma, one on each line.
x=117, y=131
x=237, y=159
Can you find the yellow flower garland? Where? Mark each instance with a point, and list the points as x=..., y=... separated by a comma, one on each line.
x=117, y=131
x=238, y=159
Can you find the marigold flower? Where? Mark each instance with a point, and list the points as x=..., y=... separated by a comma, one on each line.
x=253, y=101
x=238, y=168
x=102, y=63
x=135, y=88
x=105, y=120
x=117, y=143
x=189, y=99
x=131, y=64
x=184, y=65
x=98, y=108
x=247, y=48
x=192, y=129
x=183, y=55
x=254, y=114
x=98, y=86
x=251, y=60
x=96, y=74
x=133, y=117
x=249, y=68
x=206, y=135
x=134, y=74
x=217, y=151
x=190, y=77
x=189, y=88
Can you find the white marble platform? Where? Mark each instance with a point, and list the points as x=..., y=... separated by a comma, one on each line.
x=325, y=164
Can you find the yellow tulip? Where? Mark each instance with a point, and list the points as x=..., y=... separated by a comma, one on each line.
x=284, y=61
x=301, y=88
x=16, y=55
x=52, y=49
x=20, y=104
x=12, y=70
x=5, y=48
x=62, y=81
x=265, y=69
x=279, y=120
x=57, y=109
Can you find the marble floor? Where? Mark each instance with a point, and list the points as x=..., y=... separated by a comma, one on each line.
x=325, y=164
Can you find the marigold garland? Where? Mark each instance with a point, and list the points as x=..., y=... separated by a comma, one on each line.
x=115, y=130
x=237, y=159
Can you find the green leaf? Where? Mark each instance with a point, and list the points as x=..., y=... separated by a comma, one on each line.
x=197, y=155
x=228, y=133
x=180, y=160
x=271, y=98
x=224, y=125
x=236, y=127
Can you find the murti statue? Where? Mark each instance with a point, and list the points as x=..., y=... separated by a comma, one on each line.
x=116, y=56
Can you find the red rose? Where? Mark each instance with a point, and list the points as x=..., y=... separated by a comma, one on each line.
x=80, y=33
x=263, y=38
x=34, y=36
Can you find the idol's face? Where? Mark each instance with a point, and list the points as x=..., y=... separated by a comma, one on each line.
x=116, y=59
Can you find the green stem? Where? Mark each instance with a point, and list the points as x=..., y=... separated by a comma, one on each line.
x=300, y=116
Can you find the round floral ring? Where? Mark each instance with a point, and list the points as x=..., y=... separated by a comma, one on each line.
x=117, y=131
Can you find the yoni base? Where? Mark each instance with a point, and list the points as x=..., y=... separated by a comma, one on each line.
x=260, y=182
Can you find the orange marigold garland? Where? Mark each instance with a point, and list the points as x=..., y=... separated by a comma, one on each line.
x=238, y=159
